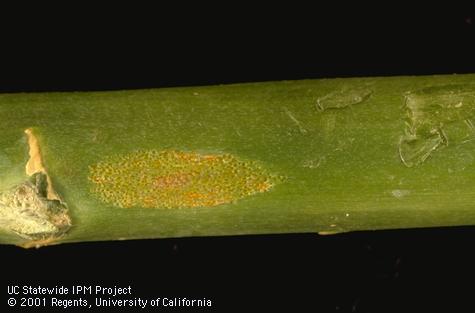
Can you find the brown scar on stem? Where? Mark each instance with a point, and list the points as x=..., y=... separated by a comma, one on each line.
x=32, y=209
x=35, y=163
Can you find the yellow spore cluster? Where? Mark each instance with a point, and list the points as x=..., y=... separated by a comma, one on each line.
x=176, y=179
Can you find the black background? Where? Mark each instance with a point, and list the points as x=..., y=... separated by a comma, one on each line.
x=122, y=48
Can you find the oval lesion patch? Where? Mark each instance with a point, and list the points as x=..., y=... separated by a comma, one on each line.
x=177, y=179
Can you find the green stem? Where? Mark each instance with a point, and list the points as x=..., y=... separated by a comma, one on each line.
x=327, y=156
